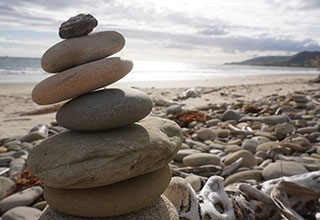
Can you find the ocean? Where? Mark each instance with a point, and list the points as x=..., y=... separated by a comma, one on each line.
x=28, y=70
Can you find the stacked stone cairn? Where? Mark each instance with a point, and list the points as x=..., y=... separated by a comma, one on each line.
x=112, y=160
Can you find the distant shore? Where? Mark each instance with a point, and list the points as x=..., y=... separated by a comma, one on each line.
x=15, y=98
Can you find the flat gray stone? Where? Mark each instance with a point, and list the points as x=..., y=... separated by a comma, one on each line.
x=70, y=53
x=104, y=109
x=22, y=213
x=283, y=168
x=91, y=159
x=5, y=185
x=23, y=198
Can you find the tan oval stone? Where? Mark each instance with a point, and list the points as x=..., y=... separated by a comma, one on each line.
x=91, y=159
x=111, y=200
x=77, y=51
x=161, y=209
x=244, y=175
x=79, y=80
x=248, y=158
x=267, y=146
x=199, y=159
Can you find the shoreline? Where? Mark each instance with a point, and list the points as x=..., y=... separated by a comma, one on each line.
x=15, y=98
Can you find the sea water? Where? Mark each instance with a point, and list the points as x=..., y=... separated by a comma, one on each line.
x=28, y=70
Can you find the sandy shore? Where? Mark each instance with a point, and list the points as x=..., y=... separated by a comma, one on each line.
x=16, y=98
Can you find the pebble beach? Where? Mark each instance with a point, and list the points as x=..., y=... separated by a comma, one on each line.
x=231, y=148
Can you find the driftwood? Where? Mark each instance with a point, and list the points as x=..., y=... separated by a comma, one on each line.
x=44, y=110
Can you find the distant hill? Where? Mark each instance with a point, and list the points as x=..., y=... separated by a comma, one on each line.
x=302, y=59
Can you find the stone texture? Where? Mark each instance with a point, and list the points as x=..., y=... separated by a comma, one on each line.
x=282, y=130
x=5, y=185
x=77, y=26
x=111, y=200
x=250, y=145
x=230, y=115
x=248, y=158
x=79, y=80
x=102, y=158
x=183, y=153
x=274, y=119
x=161, y=209
x=22, y=213
x=283, y=168
x=244, y=175
x=199, y=159
x=77, y=51
x=206, y=134
x=116, y=108
x=173, y=109
x=23, y=198
x=195, y=182
x=267, y=146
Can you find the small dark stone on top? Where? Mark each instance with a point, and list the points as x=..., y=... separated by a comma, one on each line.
x=77, y=26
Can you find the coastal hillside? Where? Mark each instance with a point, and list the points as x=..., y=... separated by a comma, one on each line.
x=302, y=59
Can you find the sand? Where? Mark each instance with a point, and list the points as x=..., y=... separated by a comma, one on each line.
x=15, y=99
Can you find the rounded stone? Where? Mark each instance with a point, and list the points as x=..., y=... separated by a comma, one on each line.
x=206, y=134
x=22, y=213
x=77, y=51
x=230, y=115
x=232, y=148
x=282, y=130
x=244, y=175
x=160, y=209
x=248, y=158
x=283, y=168
x=77, y=26
x=222, y=133
x=199, y=159
x=183, y=153
x=104, y=109
x=268, y=146
x=111, y=200
x=250, y=145
x=74, y=159
x=260, y=139
x=195, y=181
x=6, y=185
x=80, y=80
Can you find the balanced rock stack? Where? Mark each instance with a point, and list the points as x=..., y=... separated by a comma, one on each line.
x=113, y=162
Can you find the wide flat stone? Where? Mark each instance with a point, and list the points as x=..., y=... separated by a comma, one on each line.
x=23, y=198
x=283, y=168
x=104, y=109
x=161, y=209
x=199, y=159
x=244, y=175
x=22, y=213
x=91, y=159
x=76, y=51
x=80, y=80
x=248, y=158
x=111, y=200
x=5, y=185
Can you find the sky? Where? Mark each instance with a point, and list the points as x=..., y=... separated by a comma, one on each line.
x=202, y=31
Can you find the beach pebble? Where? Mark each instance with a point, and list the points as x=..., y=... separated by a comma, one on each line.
x=284, y=129
x=244, y=175
x=14, y=142
x=22, y=213
x=307, y=130
x=260, y=139
x=160, y=209
x=105, y=157
x=5, y=161
x=33, y=136
x=248, y=158
x=212, y=122
x=70, y=53
x=183, y=153
x=268, y=135
x=77, y=26
x=206, y=134
x=199, y=159
x=79, y=80
x=195, y=182
x=3, y=149
x=23, y=198
x=222, y=133
x=250, y=145
x=232, y=148
x=116, y=108
x=230, y=115
x=173, y=109
x=111, y=200
x=6, y=185
x=40, y=205
x=14, y=148
x=282, y=168
x=267, y=146
x=274, y=119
